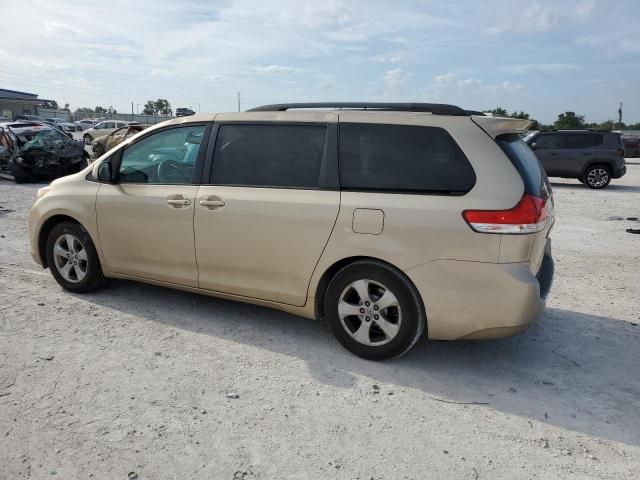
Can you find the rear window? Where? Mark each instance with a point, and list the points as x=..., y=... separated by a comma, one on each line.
x=533, y=175
x=402, y=158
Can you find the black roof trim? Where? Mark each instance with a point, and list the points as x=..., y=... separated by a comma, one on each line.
x=434, y=108
x=578, y=130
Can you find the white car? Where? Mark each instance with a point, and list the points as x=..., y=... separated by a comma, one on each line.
x=102, y=128
x=62, y=124
x=85, y=124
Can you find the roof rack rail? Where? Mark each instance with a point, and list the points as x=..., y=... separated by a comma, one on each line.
x=579, y=130
x=434, y=108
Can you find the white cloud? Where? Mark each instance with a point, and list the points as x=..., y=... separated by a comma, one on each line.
x=387, y=59
x=277, y=69
x=535, y=18
x=585, y=7
x=547, y=68
x=469, y=92
x=395, y=77
x=161, y=72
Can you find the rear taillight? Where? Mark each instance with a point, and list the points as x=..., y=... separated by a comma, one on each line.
x=528, y=216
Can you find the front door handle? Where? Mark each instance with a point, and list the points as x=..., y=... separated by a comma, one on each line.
x=212, y=202
x=178, y=201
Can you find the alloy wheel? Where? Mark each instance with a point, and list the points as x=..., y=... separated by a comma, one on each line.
x=369, y=312
x=598, y=177
x=70, y=258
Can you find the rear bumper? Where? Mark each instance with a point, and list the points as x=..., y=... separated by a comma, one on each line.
x=619, y=171
x=473, y=300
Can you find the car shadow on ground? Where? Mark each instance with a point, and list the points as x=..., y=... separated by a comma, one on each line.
x=570, y=369
x=612, y=187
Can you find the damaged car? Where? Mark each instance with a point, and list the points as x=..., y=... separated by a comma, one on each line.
x=33, y=151
x=106, y=142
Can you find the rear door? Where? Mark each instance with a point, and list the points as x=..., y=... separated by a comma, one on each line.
x=264, y=220
x=582, y=150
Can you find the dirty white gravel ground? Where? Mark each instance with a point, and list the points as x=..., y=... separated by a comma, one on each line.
x=136, y=381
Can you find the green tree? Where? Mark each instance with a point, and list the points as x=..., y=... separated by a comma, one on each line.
x=162, y=107
x=149, y=108
x=84, y=111
x=569, y=120
x=520, y=115
x=51, y=104
x=100, y=109
x=66, y=107
x=498, y=111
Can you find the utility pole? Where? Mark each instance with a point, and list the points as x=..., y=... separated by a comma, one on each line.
x=198, y=107
x=238, y=101
x=620, y=117
x=131, y=110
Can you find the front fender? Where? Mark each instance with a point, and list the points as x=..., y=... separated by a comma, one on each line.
x=70, y=197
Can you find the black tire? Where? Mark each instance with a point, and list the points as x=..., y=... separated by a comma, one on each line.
x=597, y=176
x=410, y=310
x=20, y=175
x=93, y=277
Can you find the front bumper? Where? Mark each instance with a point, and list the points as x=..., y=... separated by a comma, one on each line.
x=474, y=300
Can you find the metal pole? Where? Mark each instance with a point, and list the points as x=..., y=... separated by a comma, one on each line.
x=620, y=117
x=238, y=101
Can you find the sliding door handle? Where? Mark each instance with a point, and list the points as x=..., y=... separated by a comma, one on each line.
x=211, y=203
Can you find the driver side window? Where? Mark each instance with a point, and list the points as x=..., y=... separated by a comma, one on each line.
x=167, y=157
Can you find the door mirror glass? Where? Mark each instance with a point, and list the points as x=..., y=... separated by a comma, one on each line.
x=533, y=146
x=105, y=172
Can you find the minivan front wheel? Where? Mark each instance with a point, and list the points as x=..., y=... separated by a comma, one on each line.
x=373, y=310
x=72, y=258
x=597, y=176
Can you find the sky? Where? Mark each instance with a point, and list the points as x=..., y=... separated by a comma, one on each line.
x=543, y=57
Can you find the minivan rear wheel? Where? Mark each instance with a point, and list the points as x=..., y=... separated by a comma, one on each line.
x=597, y=176
x=373, y=310
x=72, y=258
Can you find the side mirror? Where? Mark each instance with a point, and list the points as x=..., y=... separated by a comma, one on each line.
x=533, y=146
x=105, y=172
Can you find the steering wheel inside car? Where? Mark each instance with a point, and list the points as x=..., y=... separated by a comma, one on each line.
x=171, y=171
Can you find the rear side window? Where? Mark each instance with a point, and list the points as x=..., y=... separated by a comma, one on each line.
x=269, y=155
x=583, y=140
x=533, y=175
x=402, y=158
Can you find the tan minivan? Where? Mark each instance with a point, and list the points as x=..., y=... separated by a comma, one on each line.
x=390, y=221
